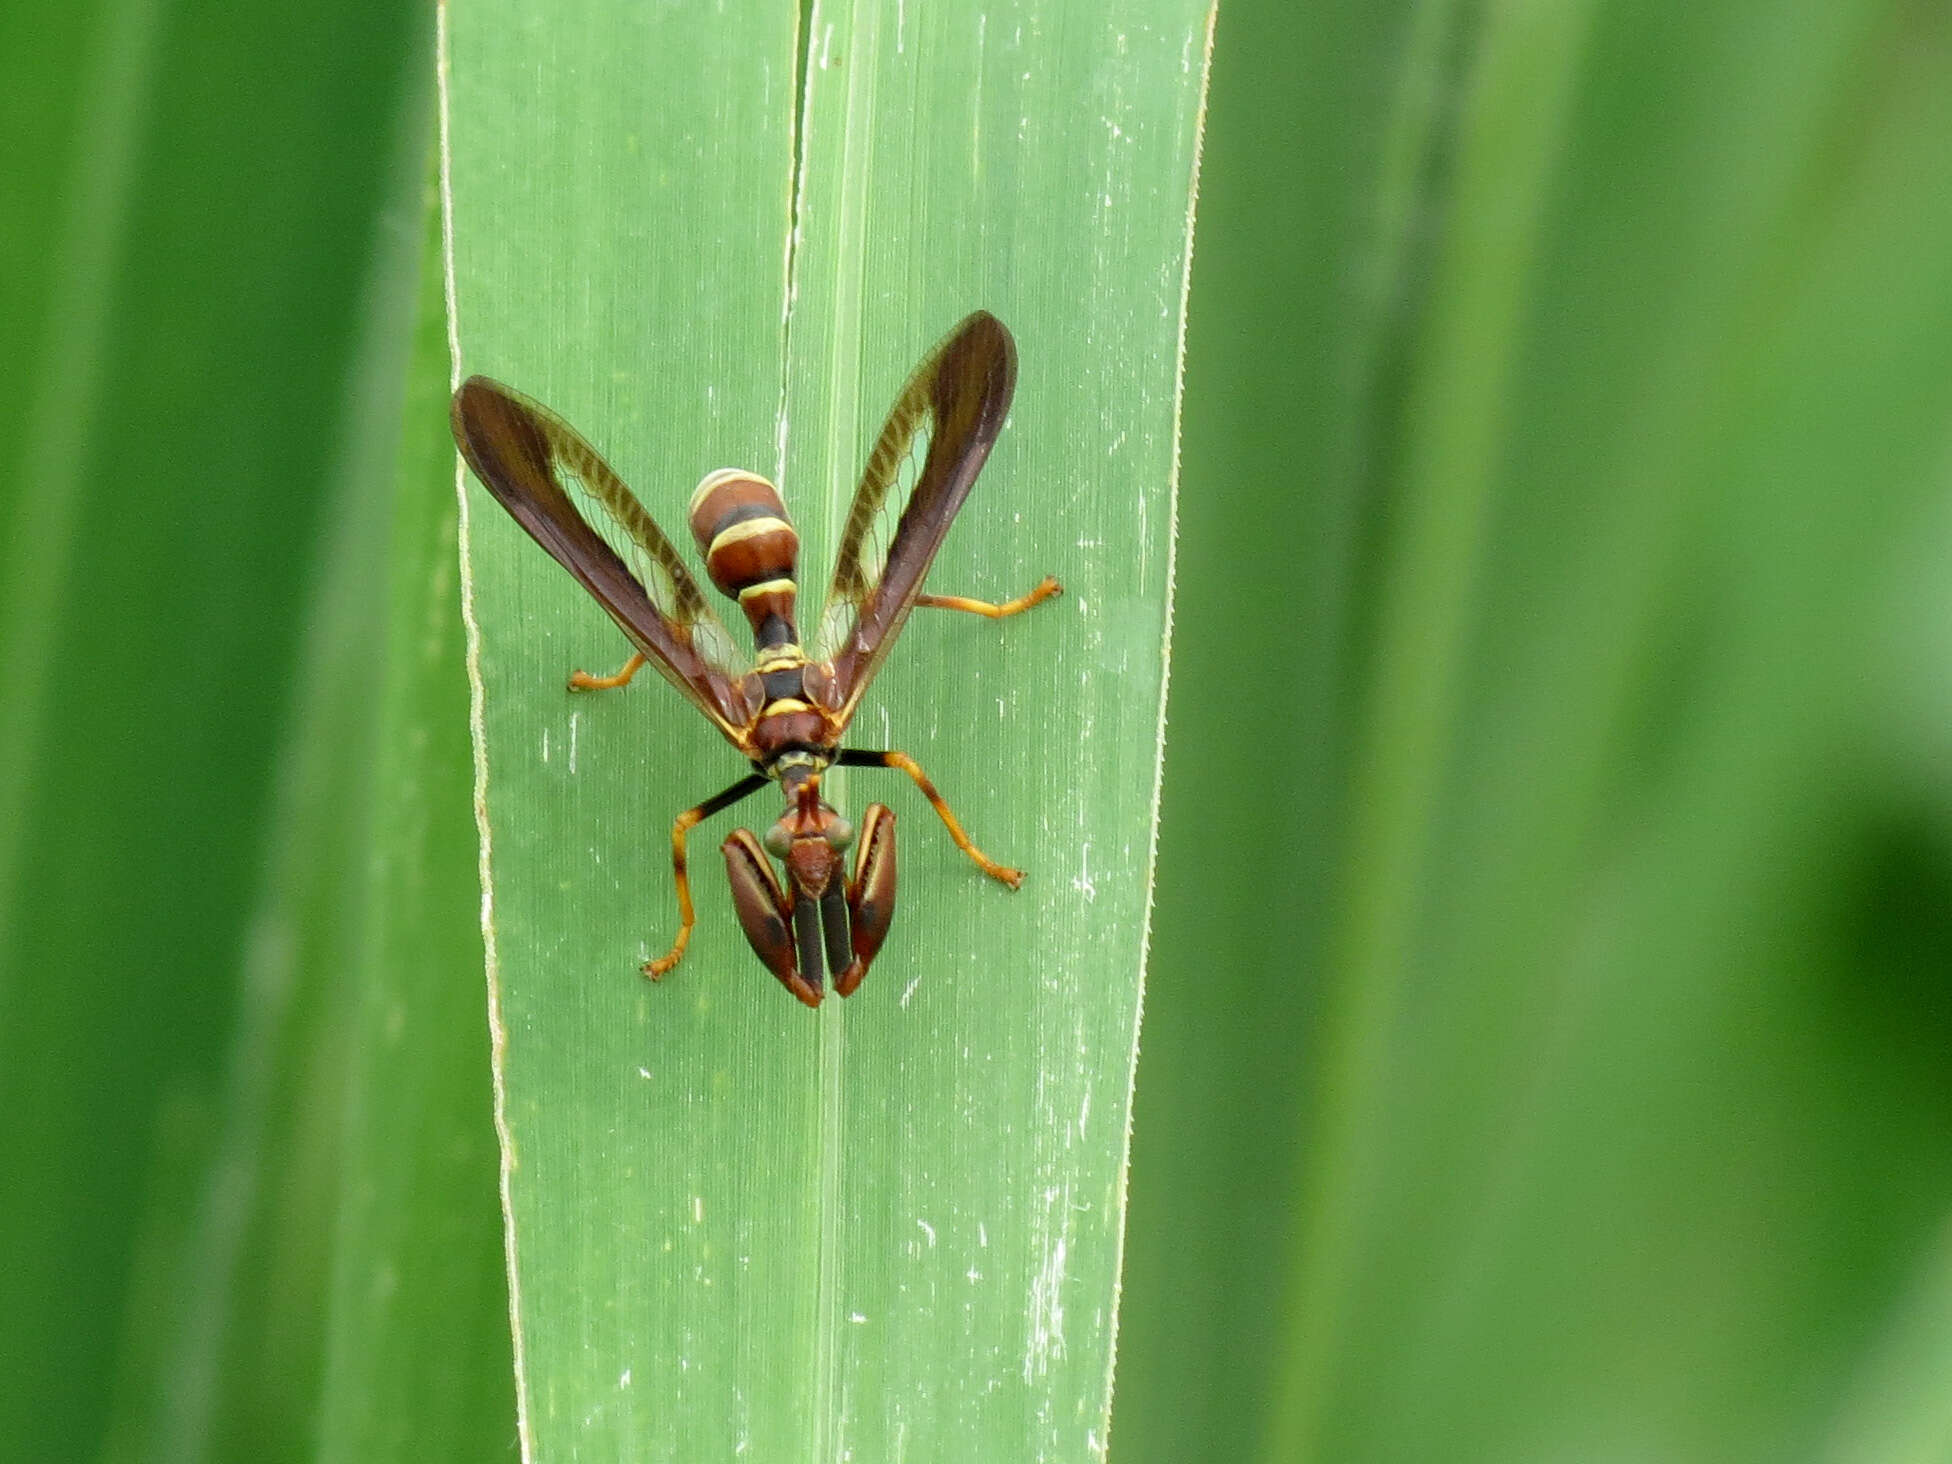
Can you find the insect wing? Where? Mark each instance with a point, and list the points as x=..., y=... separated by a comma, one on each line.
x=525, y=454
x=946, y=419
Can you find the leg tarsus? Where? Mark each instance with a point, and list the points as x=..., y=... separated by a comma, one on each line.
x=1046, y=588
x=661, y=966
x=583, y=681
x=902, y=762
x=658, y=968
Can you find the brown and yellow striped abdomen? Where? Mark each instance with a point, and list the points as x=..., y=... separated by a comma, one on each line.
x=751, y=550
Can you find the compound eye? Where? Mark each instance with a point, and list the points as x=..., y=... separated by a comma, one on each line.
x=778, y=842
x=840, y=833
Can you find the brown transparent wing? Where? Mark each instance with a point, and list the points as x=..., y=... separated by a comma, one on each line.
x=531, y=460
x=940, y=431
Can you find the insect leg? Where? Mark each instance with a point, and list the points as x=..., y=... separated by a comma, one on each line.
x=583, y=681
x=744, y=788
x=1046, y=588
x=765, y=913
x=870, y=896
x=902, y=762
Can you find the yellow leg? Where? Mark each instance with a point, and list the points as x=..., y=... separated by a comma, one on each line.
x=687, y=917
x=903, y=762
x=583, y=681
x=1043, y=592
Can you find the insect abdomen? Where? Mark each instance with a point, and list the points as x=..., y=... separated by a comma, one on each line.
x=751, y=550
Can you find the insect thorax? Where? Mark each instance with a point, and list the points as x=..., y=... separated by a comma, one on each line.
x=796, y=722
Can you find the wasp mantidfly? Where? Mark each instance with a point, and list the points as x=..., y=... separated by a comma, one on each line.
x=786, y=710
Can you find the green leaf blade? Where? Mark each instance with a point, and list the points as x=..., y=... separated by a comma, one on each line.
x=894, y=1224
x=997, y=1088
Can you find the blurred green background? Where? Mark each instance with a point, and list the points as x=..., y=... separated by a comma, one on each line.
x=1547, y=1036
